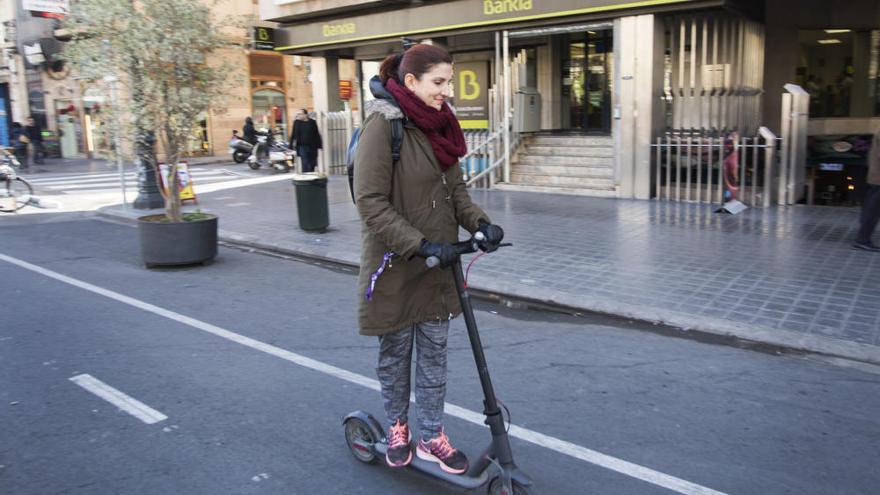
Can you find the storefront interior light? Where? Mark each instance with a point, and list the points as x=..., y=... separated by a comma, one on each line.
x=836, y=31
x=851, y=187
x=830, y=41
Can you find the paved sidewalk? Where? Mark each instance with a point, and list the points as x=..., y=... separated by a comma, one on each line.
x=782, y=276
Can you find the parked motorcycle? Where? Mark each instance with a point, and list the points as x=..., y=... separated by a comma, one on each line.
x=240, y=149
x=271, y=152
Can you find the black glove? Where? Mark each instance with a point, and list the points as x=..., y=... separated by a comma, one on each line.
x=441, y=250
x=493, y=236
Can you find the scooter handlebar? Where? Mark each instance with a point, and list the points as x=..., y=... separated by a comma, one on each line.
x=464, y=247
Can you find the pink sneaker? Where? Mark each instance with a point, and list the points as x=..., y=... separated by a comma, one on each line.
x=439, y=450
x=398, y=454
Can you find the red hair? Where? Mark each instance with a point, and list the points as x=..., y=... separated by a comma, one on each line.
x=418, y=61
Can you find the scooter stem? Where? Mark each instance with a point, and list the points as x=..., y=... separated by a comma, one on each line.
x=490, y=402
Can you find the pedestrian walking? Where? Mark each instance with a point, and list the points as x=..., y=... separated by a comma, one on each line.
x=20, y=143
x=306, y=140
x=411, y=209
x=871, y=205
x=35, y=141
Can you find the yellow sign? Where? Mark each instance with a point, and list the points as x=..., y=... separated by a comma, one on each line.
x=184, y=179
x=467, y=81
x=338, y=29
x=494, y=7
x=471, y=97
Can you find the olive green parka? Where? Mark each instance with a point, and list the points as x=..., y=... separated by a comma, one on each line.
x=400, y=204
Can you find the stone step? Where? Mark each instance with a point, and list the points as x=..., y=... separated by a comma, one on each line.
x=572, y=181
x=603, y=151
x=551, y=140
x=585, y=161
x=599, y=193
x=574, y=170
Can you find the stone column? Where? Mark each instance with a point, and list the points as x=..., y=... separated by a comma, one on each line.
x=325, y=84
x=638, y=115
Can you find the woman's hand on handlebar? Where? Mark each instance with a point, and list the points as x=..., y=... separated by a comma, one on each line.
x=488, y=236
x=442, y=253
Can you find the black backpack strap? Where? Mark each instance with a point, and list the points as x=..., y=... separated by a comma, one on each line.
x=396, y=139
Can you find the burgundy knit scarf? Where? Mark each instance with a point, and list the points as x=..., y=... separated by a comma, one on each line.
x=440, y=126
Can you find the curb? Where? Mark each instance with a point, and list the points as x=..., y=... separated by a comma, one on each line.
x=669, y=323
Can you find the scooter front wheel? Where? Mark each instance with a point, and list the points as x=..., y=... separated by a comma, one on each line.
x=496, y=489
x=360, y=439
x=254, y=165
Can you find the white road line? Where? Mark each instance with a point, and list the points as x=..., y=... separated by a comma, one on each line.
x=76, y=175
x=128, y=177
x=124, y=402
x=621, y=466
x=105, y=182
x=69, y=180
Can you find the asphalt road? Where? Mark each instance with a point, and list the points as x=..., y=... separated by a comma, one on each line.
x=611, y=408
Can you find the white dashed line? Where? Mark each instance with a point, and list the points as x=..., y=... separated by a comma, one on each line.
x=124, y=402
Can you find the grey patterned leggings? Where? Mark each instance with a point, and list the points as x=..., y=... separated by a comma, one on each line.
x=395, y=363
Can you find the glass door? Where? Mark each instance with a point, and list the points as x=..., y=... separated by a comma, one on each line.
x=586, y=81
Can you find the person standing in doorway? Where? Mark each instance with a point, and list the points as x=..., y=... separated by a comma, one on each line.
x=35, y=147
x=306, y=140
x=871, y=206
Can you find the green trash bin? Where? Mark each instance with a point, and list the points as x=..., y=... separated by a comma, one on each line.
x=311, y=202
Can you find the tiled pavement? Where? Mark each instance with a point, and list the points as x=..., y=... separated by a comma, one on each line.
x=783, y=276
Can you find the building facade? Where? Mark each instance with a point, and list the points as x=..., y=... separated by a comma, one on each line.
x=614, y=75
x=269, y=85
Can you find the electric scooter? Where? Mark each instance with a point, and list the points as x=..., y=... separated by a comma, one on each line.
x=366, y=436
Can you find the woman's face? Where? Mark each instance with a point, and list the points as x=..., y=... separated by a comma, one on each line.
x=433, y=87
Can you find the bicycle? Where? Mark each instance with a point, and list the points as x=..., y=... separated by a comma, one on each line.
x=15, y=191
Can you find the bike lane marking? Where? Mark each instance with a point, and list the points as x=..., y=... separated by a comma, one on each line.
x=119, y=399
x=621, y=466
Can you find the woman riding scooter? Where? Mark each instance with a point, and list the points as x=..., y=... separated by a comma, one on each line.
x=411, y=210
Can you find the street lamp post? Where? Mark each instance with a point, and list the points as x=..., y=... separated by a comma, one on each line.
x=148, y=197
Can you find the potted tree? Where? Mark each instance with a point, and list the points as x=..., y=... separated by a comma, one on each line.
x=157, y=53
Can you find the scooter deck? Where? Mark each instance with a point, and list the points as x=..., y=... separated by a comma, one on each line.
x=433, y=469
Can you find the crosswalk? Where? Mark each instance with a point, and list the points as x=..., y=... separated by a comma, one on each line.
x=107, y=183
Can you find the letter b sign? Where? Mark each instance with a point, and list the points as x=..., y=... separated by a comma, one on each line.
x=470, y=87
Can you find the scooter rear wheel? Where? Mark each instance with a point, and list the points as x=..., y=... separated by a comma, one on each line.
x=240, y=156
x=360, y=439
x=495, y=488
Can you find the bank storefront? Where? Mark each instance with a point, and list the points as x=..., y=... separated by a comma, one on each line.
x=586, y=85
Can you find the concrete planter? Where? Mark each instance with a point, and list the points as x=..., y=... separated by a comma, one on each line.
x=184, y=243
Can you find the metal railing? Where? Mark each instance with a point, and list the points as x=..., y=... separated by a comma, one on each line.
x=336, y=129
x=483, y=165
x=715, y=169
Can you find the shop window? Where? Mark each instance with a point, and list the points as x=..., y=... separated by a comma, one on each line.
x=269, y=111
x=94, y=126
x=199, y=144
x=839, y=68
